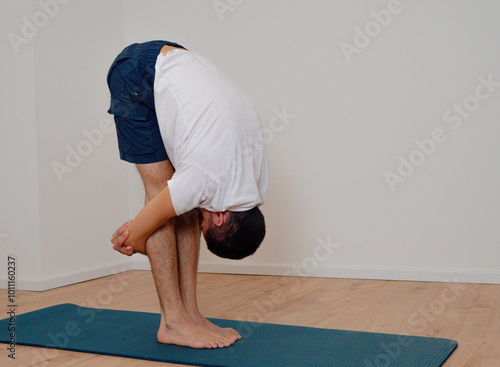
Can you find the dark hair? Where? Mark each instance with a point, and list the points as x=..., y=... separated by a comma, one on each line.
x=239, y=237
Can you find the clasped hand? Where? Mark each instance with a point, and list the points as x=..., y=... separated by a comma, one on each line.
x=118, y=240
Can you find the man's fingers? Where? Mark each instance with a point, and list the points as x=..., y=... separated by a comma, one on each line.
x=118, y=244
x=125, y=250
x=123, y=237
x=120, y=240
x=120, y=230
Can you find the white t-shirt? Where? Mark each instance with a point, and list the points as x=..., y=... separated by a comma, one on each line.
x=212, y=135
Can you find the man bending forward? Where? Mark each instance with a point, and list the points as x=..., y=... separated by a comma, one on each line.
x=196, y=141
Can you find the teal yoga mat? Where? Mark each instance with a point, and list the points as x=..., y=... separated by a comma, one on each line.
x=133, y=335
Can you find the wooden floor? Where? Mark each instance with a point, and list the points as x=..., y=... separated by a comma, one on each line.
x=467, y=313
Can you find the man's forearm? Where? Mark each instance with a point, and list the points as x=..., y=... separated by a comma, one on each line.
x=156, y=212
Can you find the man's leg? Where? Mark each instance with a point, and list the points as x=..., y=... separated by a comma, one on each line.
x=176, y=326
x=187, y=232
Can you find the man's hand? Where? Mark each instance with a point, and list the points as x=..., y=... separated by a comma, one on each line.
x=119, y=238
x=154, y=214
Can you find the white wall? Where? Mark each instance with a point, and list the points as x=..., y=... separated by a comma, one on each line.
x=19, y=214
x=353, y=120
x=350, y=122
x=59, y=224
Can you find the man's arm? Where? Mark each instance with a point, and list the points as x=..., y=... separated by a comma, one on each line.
x=156, y=212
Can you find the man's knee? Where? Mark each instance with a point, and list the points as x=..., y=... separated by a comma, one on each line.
x=154, y=188
x=155, y=177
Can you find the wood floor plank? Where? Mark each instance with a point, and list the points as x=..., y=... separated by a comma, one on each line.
x=468, y=313
x=488, y=354
x=468, y=320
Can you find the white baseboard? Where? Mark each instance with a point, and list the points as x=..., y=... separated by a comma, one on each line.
x=426, y=275
x=67, y=279
x=422, y=275
x=418, y=275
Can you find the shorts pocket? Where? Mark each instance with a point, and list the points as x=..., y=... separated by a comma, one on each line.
x=135, y=111
x=142, y=93
x=133, y=127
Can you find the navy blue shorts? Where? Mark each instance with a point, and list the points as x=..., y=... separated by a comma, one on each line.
x=130, y=81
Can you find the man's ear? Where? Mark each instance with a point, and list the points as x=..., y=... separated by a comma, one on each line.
x=220, y=218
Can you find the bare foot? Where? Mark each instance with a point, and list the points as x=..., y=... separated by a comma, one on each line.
x=187, y=333
x=230, y=333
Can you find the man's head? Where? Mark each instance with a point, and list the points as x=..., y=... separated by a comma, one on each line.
x=233, y=235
